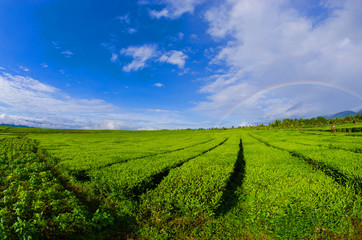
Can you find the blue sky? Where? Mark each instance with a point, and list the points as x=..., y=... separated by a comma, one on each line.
x=177, y=64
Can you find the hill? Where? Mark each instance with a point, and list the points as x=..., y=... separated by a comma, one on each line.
x=344, y=114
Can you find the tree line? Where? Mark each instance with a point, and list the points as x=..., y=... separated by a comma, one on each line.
x=319, y=121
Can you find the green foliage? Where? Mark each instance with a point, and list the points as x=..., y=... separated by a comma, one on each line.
x=319, y=122
x=188, y=184
x=338, y=157
x=89, y=150
x=132, y=178
x=193, y=192
x=34, y=205
x=289, y=199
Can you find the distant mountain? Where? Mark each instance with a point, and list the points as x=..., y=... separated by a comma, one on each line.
x=12, y=125
x=344, y=114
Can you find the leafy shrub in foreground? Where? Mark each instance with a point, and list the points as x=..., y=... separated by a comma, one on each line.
x=33, y=204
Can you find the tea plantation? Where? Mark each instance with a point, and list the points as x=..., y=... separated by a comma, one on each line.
x=181, y=184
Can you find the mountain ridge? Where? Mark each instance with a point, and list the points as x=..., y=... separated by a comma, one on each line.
x=343, y=114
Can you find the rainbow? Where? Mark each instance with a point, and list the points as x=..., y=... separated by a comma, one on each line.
x=283, y=85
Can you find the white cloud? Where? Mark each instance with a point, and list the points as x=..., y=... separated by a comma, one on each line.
x=266, y=43
x=27, y=95
x=22, y=83
x=180, y=35
x=186, y=71
x=110, y=124
x=140, y=56
x=1, y=68
x=56, y=45
x=46, y=122
x=174, y=57
x=25, y=69
x=44, y=65
x=33, y=122
x=147, y=129
x=131, y=30
x=124, y=19
x=114, y=57
x=27, y=101
x=67, y=53
x=113, y=50
x=160, y=110
x=194, y=37
x=175, y=8
x=158, y=14
x=244, y=124
x=158, y=85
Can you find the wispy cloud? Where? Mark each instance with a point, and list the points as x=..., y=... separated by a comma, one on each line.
x=160, y=110
x=140, y=55
x=21, y=84
x=114, y=57
x=158, y=14
x=113, y=50
x=131, y=30
x=27, y=101
x=149, y=53
x=158, y=85
x=180, y=35
x=27, y=95
x=125, y=20
x=56, y=45
x=186, y=71
x=175, y=8
x=193, y=36
x=67, y=53
x=44, y=65
x=25, y=69
x=174, y=57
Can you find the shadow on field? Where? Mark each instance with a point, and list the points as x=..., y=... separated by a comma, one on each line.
x=230, y=197
x=156, y=179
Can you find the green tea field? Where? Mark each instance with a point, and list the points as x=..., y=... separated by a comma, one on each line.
x=180, y=184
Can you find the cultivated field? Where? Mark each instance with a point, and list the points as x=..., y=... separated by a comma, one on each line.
x=186, y=184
